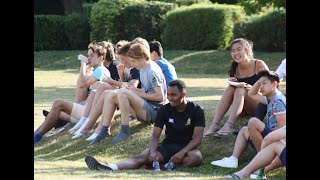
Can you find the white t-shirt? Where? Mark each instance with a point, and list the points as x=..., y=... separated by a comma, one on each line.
x=281, y=70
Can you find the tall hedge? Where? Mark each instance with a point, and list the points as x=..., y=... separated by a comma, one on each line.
x=55, y=32
x=267, y=32
x=142, y=20
x=49, y=32
x=102, y=20
x=200, y=26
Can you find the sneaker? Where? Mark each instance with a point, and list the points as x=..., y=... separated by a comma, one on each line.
x=226, y=162
x=92, y=137
x=45, y=113
x=93, y=164
x=255, y=175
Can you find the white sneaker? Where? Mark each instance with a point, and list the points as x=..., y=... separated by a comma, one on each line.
x=92, y=137
x=256, y=176
x=226, y=162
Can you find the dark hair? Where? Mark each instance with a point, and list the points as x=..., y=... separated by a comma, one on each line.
x=179, y=83
x=97, y=48
x=156, y=46
x=271, y=75
x=110, y=55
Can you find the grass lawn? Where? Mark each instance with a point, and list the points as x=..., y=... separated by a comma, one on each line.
x=59, y=157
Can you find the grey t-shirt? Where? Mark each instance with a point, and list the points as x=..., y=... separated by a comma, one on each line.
x=153, y=77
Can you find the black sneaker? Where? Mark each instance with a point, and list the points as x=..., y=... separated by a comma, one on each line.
x=93, y=164
x=45, y=113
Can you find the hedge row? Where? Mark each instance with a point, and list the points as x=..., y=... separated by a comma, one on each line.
x=55, y=32
x=142, y=20
x=267, y=32
x=200, y=26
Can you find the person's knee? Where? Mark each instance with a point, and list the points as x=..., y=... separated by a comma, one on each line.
x=240, y=92
x=244, y=132
x=254, y=123
x=141, y=158
x=58, y=104
x=195, y=158
x=123, y=93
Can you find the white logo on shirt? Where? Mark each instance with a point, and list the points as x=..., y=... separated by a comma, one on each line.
x=171, y=120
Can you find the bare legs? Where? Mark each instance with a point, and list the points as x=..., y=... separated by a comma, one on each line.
x=262, y=159
x=237, y=100
x=54, y=114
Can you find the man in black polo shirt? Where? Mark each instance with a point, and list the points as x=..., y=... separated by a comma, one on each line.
x=184, y=121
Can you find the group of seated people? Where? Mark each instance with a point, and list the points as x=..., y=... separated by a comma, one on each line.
x=134, y=79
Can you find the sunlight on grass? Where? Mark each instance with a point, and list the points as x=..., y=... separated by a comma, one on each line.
x=59, y=157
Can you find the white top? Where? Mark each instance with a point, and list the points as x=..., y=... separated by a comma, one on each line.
x=281, y=70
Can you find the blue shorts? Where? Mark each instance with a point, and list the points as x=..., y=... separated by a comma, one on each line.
x=261, y=111
x=169, y=149
x=264, y=133
x=283, y=156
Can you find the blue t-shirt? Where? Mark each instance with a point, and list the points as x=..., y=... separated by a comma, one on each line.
x=100, y=73
x=275, y=107
x=153, y=77
x=168, y=70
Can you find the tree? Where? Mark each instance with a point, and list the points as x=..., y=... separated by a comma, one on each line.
x=72, y=6
x=254, y=6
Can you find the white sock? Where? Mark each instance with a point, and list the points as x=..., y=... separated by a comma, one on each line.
x=74, y=120
x=79, y=123
x=114, y=167
x=92, y=137
x=83, y=125
x=233, y=158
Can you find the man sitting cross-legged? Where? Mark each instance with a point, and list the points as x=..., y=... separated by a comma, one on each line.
x=184, y=121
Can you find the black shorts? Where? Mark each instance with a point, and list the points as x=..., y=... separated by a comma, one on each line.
x=264, y=133
x=169, y=149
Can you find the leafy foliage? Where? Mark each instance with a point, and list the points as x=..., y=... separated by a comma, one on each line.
x=254, y=6
x=267, y=32
x=142, y=20
x=200, y=26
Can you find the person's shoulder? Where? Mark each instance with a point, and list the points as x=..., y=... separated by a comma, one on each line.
x=279, y=97
x=261, y=64
x=194, y=105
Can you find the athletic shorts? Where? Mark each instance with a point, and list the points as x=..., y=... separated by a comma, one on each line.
x=151, y=110
x=77, y=110
x=283, y=156
x=167, y=150
x=264, y=133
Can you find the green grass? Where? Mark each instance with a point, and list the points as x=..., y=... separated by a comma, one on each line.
x=60, y=157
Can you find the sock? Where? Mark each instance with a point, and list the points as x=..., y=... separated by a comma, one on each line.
x=83, y=125
x=37, y=137
x=92, y=137
x=74, y=120
x=79, y=123
x=233, y=158
x=104, y=132
x=124, y=133
x=114, y=167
